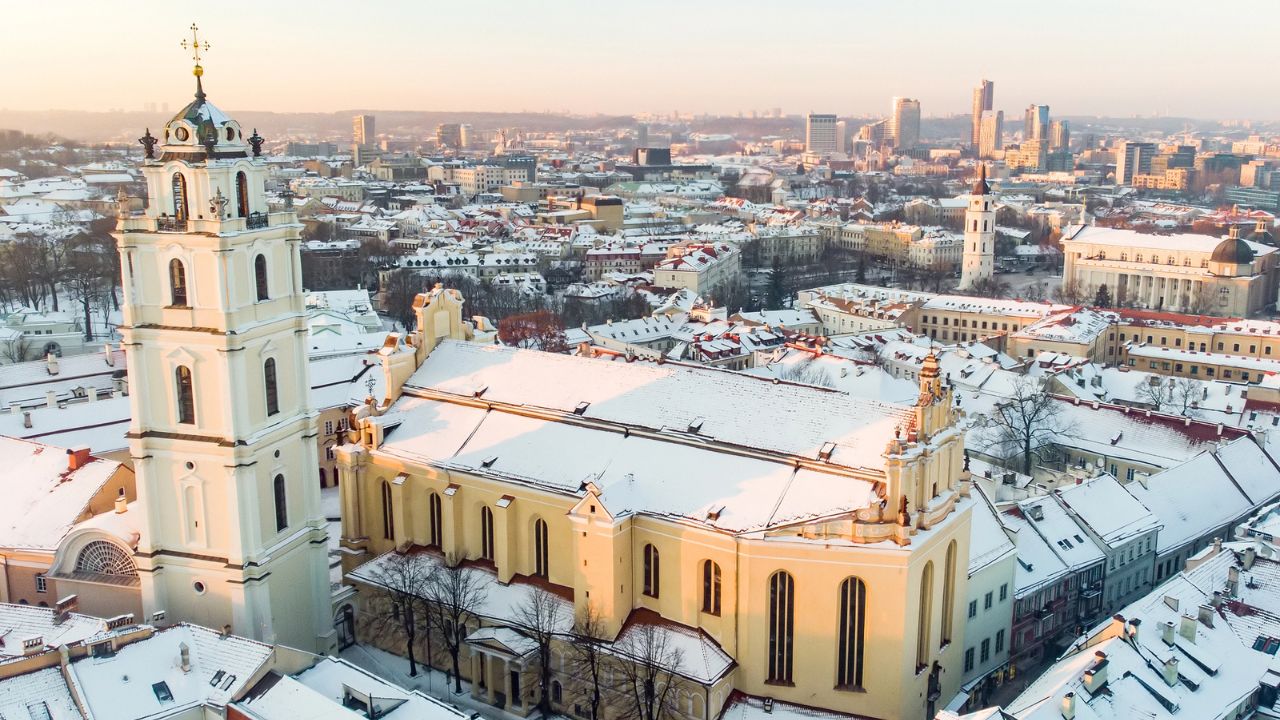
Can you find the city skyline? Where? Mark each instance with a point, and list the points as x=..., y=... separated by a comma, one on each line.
x=659, y=61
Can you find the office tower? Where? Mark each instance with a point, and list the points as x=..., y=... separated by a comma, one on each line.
x=874, y=133
x=842, y=137
x=449, y=135
x=904, y=123
x=1133, y=158
x=1059, y=135
x=984, y=97
x=362, y=130
x=465, y=136
x=642, y=135
x=1035, y=122
x=820, y=134
x=991, y=133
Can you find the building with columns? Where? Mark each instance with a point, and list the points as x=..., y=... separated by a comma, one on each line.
x=800, y=544
x=222, y=436
x=978, y=263
x=1202, y=274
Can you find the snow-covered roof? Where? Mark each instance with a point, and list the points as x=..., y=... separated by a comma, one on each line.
x=43, y=497
x=1113, y=514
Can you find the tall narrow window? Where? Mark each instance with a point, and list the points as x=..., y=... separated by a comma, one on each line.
x=852, y=629
x=242, y=194
x=486, y=533
x=186, y=396
x=282, y=506
x=270, y=386
x=388, y=522
x=926, y=611
x=652, y=571
x=177, y=283
x=782, y=595
x=180, y=211
x=437, y=528
x=948, y=593
x=260, y=276
x=710, y=587
x=540, y=565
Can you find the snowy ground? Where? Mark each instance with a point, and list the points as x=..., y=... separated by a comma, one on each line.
x=431, y=682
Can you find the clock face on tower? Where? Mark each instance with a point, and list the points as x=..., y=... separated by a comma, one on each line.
x=181, y=133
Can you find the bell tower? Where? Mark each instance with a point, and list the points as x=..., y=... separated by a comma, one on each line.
x=223, y=434
x=979, y=234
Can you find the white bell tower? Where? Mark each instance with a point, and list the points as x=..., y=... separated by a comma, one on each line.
x=979, y=234
x=223, y=434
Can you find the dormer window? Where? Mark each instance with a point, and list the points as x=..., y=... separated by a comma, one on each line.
x=181, y=133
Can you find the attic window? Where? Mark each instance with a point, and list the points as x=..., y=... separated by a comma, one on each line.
x=38, y=710
x=217, y=677
x=581, y=409
x=480, y=390
x=101, y=650
x=695, y=426
x=489, y=461
x=163, y=694
x=827, y=449
x=505, y=501
x=226, y=684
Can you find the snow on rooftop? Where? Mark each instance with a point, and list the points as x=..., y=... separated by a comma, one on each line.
x=38, y=695
x=43, y=498
x=1111, y=512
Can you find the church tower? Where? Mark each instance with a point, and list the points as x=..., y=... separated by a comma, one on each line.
x=223, y=434
x=979, y=234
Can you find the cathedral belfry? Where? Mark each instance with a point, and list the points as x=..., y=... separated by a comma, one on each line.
x=223, y=433
x=979, y=234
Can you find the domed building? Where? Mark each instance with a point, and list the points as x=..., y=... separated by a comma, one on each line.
x=1202, y=274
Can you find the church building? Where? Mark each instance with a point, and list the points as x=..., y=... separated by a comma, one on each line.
x=800, y=544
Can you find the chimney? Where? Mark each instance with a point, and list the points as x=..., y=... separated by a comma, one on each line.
x=1133, y=629
x=1217, y=546
x=92, y=394
x=1250, y=555
x=26, y=419
x=1205, y=613
x=122, y=505
x=62, y=611
x=226, y=632
x=184, y=654
x=110, y=358
x=1216, y=602
x=1187, y=628
x=78, y=457
x=51, y=399
x=51, y=363
x=1166, y=633
x=1171, y=671
x=1069, y=706
x=1233, y=581
x=1095, y=678
x=1118, y=628
x=32, y=646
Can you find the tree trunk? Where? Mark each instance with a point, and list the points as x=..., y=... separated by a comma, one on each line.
x=1026, y=456
x=88, y=319
x=413, y=663
x=457, y=677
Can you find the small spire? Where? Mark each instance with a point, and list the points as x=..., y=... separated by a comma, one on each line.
x=195, y=46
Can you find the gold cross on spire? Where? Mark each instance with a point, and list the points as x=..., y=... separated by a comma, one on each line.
x=195, y=46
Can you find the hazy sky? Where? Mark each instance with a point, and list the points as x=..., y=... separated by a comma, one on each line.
x=1180, y=57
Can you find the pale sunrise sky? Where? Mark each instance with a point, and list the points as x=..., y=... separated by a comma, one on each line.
x=1193, y=58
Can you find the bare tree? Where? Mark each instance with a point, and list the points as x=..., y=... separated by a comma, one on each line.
x=991, y=287
x=1070, y=292
x=541, y=616
x=808, y=373
x=586, y=645
x=404, y=582
x=455, y=596
x=1025, y=423
x=648, y=674
x=17, y=350
x=1187, y=394
x=1155, y=392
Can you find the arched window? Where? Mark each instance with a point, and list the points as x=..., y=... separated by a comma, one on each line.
x=710, y=587
x=180, y=211
x=260, y=276
x=101, y=557
x=540, y=564
x=270, y=386
x=186, y=396
x=242, y=194
x=388, y=522
x=177, y=283
x=853, y=621
x=282, y=506
x=486, y=533
x=652, y=571
x=948, y=594
x=557, y=692
x=437, y=527
x=926, y=611
x=782, y=620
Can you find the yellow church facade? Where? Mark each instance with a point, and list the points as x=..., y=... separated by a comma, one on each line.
x=815, y=542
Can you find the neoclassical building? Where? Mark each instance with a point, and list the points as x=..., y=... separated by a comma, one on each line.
x=1190, y=273
x=803, y=545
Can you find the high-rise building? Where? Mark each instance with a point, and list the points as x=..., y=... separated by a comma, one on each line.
x=1133, y=158
x=362, y=130
x=642, y=135
x=991, y=135
x=222, y=431
x=1059, y=135
x=842, y=138
x=820, y=134
x=984, y=97
x=1035, y=122
x=449, y=135
x=874, y=133
x=904, y=124
x=979, y=234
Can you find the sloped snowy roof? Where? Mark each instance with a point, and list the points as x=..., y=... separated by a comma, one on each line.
x=43, y=498
x=1112, y=513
